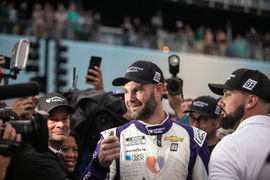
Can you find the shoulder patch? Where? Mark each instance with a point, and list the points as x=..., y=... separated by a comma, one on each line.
x=199, y=136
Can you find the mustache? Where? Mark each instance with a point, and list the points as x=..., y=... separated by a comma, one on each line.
x=221, y=109
x=134, y=103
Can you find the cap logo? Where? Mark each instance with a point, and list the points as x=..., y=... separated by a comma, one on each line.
x=217, y=110
x=231, y=76
x=200, y=104
x=134, y=69
x=250, y=84
x=55, y=99
x=157, y=77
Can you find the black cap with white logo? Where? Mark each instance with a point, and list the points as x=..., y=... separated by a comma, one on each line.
x=205, y=106
x=247, y=80
x=53, y=100
x=144, y=72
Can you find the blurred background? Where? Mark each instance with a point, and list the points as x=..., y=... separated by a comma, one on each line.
x=211, y=37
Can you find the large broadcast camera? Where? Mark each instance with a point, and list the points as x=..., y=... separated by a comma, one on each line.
x=174, y=84
x=34, y=131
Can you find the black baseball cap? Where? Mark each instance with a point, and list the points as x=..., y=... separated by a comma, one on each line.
x=247, y=80
x=205, y=106
x=53, y=100
x=144, y=72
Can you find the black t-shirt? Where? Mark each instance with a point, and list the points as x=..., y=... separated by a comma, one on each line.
x=31, y=165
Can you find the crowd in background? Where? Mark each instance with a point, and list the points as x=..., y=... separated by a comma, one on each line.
x=45, y=20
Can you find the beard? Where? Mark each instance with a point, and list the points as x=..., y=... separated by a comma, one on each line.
x=230, y=120
x=147, y=110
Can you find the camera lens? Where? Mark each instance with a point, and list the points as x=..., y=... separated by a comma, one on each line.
x=174, y=86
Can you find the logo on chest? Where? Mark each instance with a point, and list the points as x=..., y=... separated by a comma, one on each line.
x=131, y=141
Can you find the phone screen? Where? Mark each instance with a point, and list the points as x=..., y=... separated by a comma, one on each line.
x=94, y=61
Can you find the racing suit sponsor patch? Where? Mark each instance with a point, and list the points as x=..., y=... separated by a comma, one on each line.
x=131, y=141
x=134, y=157
x=174, y=147
x=199, y=136
x=173, y=139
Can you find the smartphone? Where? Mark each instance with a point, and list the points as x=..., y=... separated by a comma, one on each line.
x=94, y=61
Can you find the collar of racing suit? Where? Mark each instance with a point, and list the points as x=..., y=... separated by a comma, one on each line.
x=155, y=129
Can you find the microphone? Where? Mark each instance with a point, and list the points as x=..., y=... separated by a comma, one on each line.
x=19, y=90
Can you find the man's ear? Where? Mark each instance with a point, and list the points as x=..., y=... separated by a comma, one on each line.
x=252, y=100
x=160, y=89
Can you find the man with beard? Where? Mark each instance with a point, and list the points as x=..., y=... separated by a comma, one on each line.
x=153, y=146
x=245, y=106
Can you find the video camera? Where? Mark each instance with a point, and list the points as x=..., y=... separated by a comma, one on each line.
x=34, y=131
x=174, y=84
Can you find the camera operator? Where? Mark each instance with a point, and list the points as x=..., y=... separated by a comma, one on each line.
x=24, y=106
x=8, y=134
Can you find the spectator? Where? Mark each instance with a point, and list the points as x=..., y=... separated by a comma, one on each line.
x=97, y=79
x=61, y=20
x=38, y=19
x=3, y=16
x=204, y=112
x=70, y=155
x=49, y=19
x=209, y=42
x=238, y=47
x=73, y=21
x=154, y=145
x=245, y=105
x=12, y=19
x=23, y=17
x=221, y=39
x=198, y=36
x=127, y=29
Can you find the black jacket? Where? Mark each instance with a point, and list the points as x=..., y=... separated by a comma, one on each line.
x=32, y=165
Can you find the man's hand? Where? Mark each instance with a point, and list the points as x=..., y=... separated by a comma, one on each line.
x=24, y=106
x=109, y=150
x=9, y=134
x=97, y=80
x=175, y=102
x=2, y=61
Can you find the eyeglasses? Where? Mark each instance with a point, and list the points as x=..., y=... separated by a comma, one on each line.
x=200, y=119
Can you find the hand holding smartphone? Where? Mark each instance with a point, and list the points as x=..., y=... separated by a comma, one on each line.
x=94, y=61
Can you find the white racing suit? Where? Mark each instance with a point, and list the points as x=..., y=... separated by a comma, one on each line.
x=170, y=150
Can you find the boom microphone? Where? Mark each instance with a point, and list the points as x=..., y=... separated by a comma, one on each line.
x=19, y=90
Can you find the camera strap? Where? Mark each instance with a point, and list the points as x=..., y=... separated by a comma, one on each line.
x=9, y=147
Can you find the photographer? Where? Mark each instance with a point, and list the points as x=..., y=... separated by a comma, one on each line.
x=24, y=106
x=47, y=164
x=9, y=134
